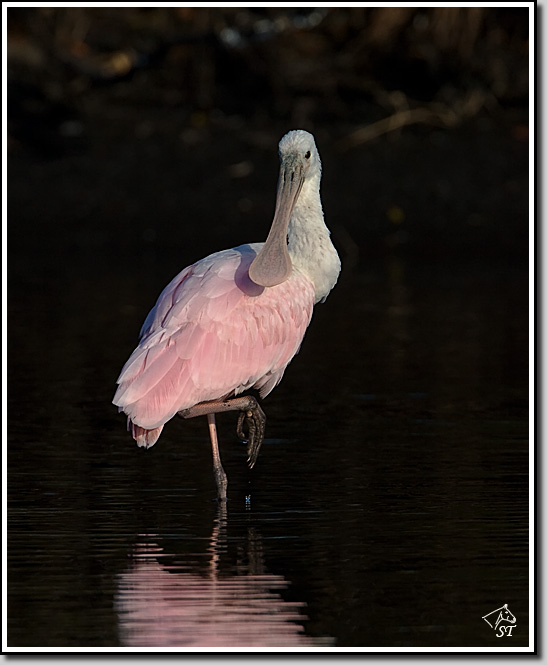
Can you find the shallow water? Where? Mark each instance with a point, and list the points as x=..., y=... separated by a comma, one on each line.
x=389, y=505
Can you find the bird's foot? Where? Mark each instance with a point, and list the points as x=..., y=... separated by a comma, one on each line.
x=250, y=413
x=255, y=418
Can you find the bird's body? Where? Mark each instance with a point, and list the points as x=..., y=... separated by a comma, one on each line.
x=212, y=334
x=235, y=319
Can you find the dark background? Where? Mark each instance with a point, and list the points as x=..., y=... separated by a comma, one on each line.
x=420, y=115
x=140, y=140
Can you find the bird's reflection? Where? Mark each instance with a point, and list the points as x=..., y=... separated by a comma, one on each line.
x=176, y=605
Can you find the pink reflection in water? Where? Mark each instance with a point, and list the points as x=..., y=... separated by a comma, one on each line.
x=172, y=607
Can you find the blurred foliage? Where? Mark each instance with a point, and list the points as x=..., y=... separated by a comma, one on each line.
x=305, y=64
x=164, y=105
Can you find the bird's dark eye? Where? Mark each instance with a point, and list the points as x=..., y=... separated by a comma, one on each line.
x=307, y=155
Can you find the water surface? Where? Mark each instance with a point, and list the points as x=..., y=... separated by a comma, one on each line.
x=389, y=505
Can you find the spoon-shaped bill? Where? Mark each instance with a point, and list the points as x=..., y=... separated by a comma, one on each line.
x=273, y=264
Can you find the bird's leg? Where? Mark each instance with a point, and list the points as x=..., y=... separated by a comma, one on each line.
x=220, y=475
x=250, y=412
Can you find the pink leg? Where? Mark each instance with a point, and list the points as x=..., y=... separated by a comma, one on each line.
x=250, y=412
x=220, y=475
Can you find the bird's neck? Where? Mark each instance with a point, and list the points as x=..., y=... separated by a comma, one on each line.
x=309, y=243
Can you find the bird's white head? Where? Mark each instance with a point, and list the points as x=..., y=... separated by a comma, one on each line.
x=299, y=145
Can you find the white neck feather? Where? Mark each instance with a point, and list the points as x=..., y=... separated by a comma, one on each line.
x=310, y=246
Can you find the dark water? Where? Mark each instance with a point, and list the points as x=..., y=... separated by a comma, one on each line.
x=389, y=505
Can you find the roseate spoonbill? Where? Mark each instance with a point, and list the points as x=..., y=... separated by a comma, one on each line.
x=235, y=319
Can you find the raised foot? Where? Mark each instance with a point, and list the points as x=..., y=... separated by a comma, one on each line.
x=255, y=419
x=250, y=413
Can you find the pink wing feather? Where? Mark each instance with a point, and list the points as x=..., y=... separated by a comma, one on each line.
x=212, y=333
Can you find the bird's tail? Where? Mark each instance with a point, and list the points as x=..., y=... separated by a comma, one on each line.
x=144, y=437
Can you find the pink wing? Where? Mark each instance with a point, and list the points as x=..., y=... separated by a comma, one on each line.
x=212, y=333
